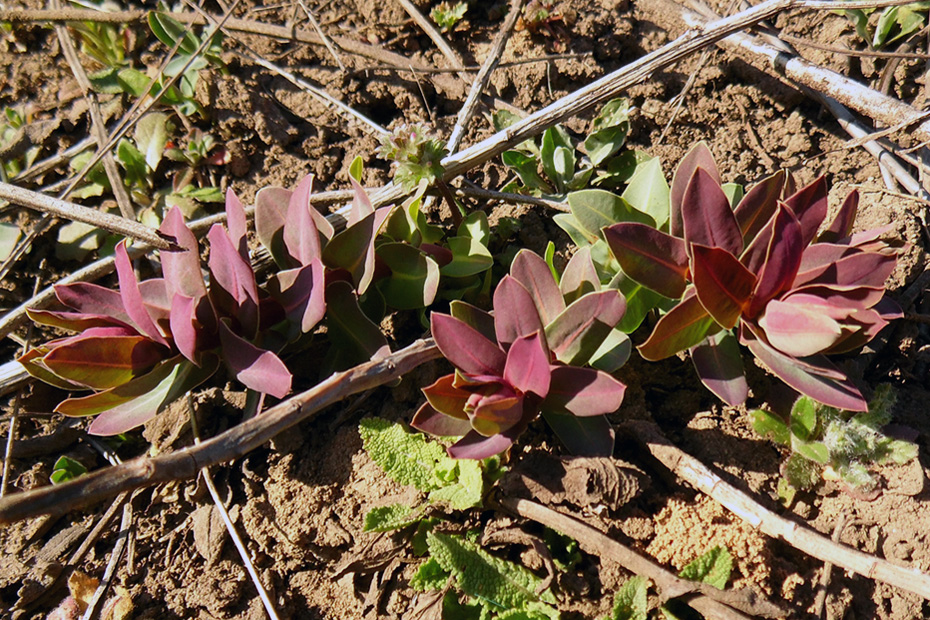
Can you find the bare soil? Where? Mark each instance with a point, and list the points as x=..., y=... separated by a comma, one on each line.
x=299, y=502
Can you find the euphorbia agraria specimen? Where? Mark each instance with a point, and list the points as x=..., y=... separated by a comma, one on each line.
x=522, y=361
x=793, y=296
x=145, y=345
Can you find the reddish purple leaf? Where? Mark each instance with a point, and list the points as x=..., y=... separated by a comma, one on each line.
x=74, y=321
x=654, y=259
x=527, y=368
x=475, y=317
x=184, y=326
x=759, y=205
x=719, y=364
x=302, y=195
x=847, y=298
x=868, y=240
x=496, y=412
x=515, y=313
x=132, y=297
x=576, y=334
x=233, y=287
x=798, y=329
x=271, y=206
x=301, y=292
x=300, y=234
x=361, y=204
x=257, y=369
x=681, y=328
x=428, y=420
x=476, y=446
x=868, y=269
x=353, y=249
x=782, y=260
x=583, y=391
x=859, y=328
x=533, y=273
x=155, y=298
x=465, y=347
x=236, y=224
x=841, y=226
x=816, y=258
x=31, y=361
x=181, y=268
x=821, y=385
x=103, y=360
x=698, y=157
x=444, y=397
x=580, y=276
x=809, y=204
x=707, y=217
x=591, y=437
x=87, y=298
x=723, y=285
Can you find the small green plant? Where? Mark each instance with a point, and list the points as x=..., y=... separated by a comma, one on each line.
x=12, y=127
x=894, y=23
x=825, y=442
x=549, y=18
x=447, y=15
x=66, y=468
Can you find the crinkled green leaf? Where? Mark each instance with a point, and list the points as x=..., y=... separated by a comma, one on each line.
x=468, y=489
x=389, y=518
x=429, y=576
x=630, y=601
x=713, y=567
x=406, y=457
x=770, y=425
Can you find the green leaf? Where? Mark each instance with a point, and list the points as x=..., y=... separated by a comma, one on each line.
x=860, y=20
x=356, y=168
x=648, y=191
x=389, y=518
x=9, y=235
x=468, y=489
x=168, y=30
x=151, y=135
x=559, y=167
x=734, y=193
x=526, y=167
x=609, y=131
x=713, y=568
x=770, y=425
x=134, y=82
x=469, y=257
x=614, y=351
x=498, y=583
x=475, y=225
x=133, y=161
x=572, y=227
x=804, y=418
x=406, y=457
x=354, y=336
x=630, y=601
x=66, y=468
x=815, y=451
x=414, y=277
x=639, y=302
x=596, y=208
x=802, y=473
x=429, y=576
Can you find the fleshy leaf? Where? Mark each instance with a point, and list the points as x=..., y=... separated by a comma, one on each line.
x=841, y=226
x=32, y=363
x=301, y=292
x=255, y=368
x=533, y=273
x=429, y=420
x=720, y=367
x=105, y=361
x=181, y=268
x=88, y=298
x=596, y=208
x=651, y=257
x=414, y=278
x=445, y=398
x=579, y=278
x=684, y=326
x=648, y=191
x=301, y=196
x=132, y=297
x=354, y=337
x=698, y=157
x=707, y=217
x=301, y=237
x=591, y=436
x=271, y=206
x=527, y=367
x=354, y=249
x=184, y=326
x=515, y=313
x=613, y=352
x=74, y=321
x=236, y=224
x=723, y=285
x=234, y=290
x=758, y=205
x=809, y=204
x=576, y=334
x=476, y=446
x=496, y=413
x=798, y=329
x=782, y=260
x=469, y=257
x=474, y=317
x=869, y=269
x=465, y=347
x=583, y=391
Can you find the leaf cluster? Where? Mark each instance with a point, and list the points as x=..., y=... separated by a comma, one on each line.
x=447, y=15
x=826, y=442
x=894, y=23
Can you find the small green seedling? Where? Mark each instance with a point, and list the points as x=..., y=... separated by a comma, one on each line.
x=894, y=23
x=447, y=15
x=826, y=442
x=66, y=468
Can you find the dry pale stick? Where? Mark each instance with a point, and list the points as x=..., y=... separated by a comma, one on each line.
x=451, y=55
x=319, y=30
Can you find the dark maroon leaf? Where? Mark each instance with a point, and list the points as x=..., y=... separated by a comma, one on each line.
x=515, y=312
x=720, y=367
x=841, y=226
x=781, y=260
x=255, y=368
x=681, y=328
x=181, y=268
x=476, y=446
x=233, y=286
x=707, y=217
x=527, y=367
x=465, y=347
x=698, y=157
x=843, y=297
x=654, y=259
x=868, y=269
x=583, y=391
x=475, y=317
x=576, y=334
x=533, y=273
x=301, y=195
x=429, y=420
x=132, y=297
x=723, y=285
x=809, y=204
x=758, y=205
x=271, y=205
x=495, y=412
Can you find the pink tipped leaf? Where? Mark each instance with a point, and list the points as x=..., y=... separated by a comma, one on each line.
x=707, y=217
x=515, y=311
x=361, y=203
x=719, y=365
x=255, y=368
x=684, y=326
x=132, y=297
x=698, y=157
x=465, y=347
x=185, y=326
x=32, y=362
x=841, y=226
x=809, y=204
x=236, y=224
x=798, y=329
x=496, y=412
x=233, y=289
x=181, y=268
x=782, y=260
x=74, y=321
x=476, y=446
x=844, y=298
x=448, y=399
x=869, y=269
x=577, y=333
x=300, y=234
x=534, y=274
x=654, y=259
x=583, y=391
x=527, y=367
x=429, y=420
x=723, y=285
x=759, y=205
